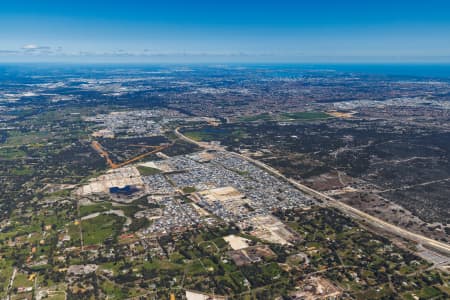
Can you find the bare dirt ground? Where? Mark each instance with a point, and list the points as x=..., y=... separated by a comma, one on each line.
x=368, y=198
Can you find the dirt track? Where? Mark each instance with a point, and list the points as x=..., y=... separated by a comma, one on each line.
x=97, y=147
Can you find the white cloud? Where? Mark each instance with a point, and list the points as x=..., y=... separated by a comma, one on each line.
x=33, y=49
x=30, y=47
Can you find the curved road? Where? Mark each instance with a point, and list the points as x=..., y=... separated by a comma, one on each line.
x=440, y=246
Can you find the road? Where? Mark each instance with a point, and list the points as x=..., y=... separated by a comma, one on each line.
x=10, y=285
x=356, y=213
x=116, y=212
x=80, y=226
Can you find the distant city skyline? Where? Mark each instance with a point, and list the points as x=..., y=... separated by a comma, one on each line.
x=225, y=31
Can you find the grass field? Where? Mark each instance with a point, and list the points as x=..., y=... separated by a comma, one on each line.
x=98, y=229
x=197, y=135
x=7, y=270
x=306, y=115
x=17, y=138
x=93, y=208
x=57, y=296
x=296, y=116
x=11, y=153
x=214, y=134
x=22, y=171
x=189, y=189
x=113, y=290
x=21, y=280
x=146, y=171
x=260, y=117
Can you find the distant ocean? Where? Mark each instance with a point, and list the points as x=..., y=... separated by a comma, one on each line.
x=407, y=70
x=426, y=70
x=412, y=70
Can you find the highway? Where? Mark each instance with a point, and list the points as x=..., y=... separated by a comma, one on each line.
x=356, y=213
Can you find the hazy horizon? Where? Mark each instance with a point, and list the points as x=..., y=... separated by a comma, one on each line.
x=204, y=31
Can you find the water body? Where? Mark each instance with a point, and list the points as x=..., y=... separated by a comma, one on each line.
x=3, y=137
x=419, y=70
x=415, y=70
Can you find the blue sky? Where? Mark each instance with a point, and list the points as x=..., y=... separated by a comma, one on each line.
x=175, y=30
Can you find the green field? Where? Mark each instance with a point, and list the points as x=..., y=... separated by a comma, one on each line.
x=306, y=115
x=295, y=116
x=260, y=117
x=214, y=134
x=146, y=171
x=5, y=275
x=98, y=229
x=10, y=153
x=21, y=171
x=93, y=208
x=189, y=189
